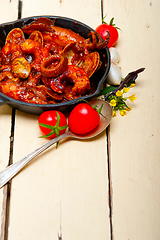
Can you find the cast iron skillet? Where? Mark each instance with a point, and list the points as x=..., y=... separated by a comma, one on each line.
x=97, y=78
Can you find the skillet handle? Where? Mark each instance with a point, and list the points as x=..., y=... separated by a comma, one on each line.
x=3, y=101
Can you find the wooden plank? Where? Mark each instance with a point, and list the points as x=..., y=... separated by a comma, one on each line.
x=8, y=13
x=5, y=133
x=9, y=10
x=89, y=12
x=64, y=192
x=134, y=149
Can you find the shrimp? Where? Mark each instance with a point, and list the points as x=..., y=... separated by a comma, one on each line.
x=63, y=36
x=78, y=77
x=15, y=90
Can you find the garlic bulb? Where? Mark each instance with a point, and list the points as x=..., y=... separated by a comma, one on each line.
x=114, y=76
x=115, y=58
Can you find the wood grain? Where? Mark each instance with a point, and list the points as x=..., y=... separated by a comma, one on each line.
x=8, y=13
x=135, y=154
x=62, y=194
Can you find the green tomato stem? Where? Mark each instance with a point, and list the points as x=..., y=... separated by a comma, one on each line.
x=54, y=129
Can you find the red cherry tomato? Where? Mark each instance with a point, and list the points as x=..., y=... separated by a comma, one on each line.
x=102, y=30
x=83, y=118
x=56, y=122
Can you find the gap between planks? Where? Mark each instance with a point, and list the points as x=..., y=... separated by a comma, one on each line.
x=110, y=189
x=7, y=188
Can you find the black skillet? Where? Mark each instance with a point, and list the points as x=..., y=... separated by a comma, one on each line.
x=97, y=78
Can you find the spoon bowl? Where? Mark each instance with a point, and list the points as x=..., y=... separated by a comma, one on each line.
x=105, y=119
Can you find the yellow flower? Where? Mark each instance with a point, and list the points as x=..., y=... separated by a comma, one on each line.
x=113, y=102
x=125, y=89
x=123, y=112
x=132, y=85
x=128, y=109
x=119, y=93
x=132, y=97
x=114, y=114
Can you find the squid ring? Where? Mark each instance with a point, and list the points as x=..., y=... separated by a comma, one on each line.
x=57, y=69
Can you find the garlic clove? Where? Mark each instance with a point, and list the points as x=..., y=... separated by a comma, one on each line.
x=115, y=58
x=114, y=76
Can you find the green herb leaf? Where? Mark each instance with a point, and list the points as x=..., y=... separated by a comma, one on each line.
x=107, y=90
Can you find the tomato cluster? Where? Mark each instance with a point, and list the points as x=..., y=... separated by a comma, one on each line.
x=82, y=119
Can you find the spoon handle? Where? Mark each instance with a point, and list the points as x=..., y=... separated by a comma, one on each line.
x=13, y=169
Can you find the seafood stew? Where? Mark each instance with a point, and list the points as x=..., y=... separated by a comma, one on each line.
x=50, y=62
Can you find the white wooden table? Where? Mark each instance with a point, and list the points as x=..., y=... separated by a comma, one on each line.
x=107, y=188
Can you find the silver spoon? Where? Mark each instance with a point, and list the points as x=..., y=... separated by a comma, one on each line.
x=13, y=169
